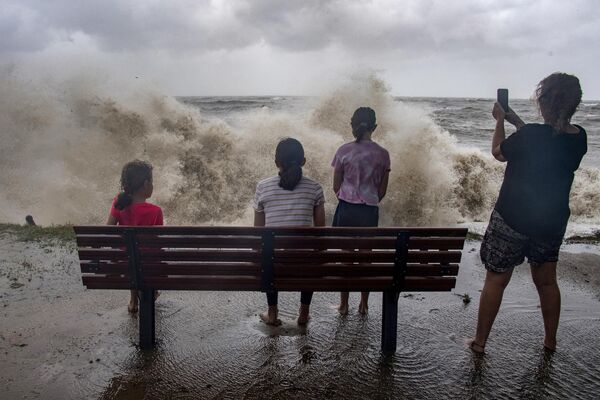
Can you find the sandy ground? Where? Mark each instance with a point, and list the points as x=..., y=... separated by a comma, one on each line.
x=59, y=340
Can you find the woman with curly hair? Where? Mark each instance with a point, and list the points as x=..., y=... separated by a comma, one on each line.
x=532, y=210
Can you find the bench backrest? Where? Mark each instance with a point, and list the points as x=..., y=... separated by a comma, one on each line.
x=257, y=258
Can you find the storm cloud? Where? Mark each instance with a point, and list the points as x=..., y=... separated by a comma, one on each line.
x=379, y=34
x=362, y=26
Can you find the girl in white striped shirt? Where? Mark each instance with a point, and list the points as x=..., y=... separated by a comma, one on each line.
x=288, y=199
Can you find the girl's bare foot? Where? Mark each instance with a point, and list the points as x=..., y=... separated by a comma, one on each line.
x=303, y=315
x=343, y=309
x=363, y=308
x=270, y=317
x=133, y=306
x=269, y=320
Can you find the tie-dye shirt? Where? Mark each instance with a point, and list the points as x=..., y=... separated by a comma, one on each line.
x=363, y=165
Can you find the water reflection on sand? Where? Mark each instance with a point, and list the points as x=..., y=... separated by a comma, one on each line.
x=212, y=345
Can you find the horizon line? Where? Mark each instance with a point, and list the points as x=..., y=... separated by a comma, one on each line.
x=394, y=96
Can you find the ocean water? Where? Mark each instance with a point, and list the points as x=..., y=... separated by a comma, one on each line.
x=468, y=119
x=63, y=144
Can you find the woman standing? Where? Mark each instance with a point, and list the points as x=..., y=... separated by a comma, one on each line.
x=531, y=214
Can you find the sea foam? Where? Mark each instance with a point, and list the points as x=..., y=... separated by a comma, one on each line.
x=62, y=145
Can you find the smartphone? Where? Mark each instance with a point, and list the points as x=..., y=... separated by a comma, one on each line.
x=503, y=98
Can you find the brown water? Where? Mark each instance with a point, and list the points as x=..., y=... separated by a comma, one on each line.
x=60, y=341
x=63, y=145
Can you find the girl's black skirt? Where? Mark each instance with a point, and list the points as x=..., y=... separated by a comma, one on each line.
x=360, y=215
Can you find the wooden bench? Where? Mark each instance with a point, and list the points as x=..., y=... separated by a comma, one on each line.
x=388, y=260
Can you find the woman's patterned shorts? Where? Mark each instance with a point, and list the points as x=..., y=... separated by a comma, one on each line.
x=503, y=248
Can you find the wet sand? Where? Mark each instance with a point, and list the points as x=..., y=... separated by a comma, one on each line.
x=61, y=341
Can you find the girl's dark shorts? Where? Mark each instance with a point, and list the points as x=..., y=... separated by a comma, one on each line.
x=361, y=215
x=503, y=248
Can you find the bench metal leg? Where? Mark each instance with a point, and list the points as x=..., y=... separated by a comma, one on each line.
x=389, y=322
x=147, y=325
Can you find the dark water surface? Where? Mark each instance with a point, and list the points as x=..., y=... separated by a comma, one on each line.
x=468, y=119
x=212, y=345
x=60, y=341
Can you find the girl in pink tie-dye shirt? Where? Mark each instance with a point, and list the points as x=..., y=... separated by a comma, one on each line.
x=360, y=179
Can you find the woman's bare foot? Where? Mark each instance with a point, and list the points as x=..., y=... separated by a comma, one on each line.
x=133, y=306
x=475, y=347
x=270, y=317
x=303, y=316
x=363, y=308
x=550, y=345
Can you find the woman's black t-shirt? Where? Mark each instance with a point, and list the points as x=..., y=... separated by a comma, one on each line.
x=534, y=198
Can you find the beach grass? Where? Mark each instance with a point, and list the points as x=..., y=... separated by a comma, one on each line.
x=474, y=236
x=25, y=233
x=594, y=238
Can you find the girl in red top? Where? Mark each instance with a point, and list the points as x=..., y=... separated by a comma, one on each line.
x=130, y=207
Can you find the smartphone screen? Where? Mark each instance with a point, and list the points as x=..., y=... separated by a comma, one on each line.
x=503, y=98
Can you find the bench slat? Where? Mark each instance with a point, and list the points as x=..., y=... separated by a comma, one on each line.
x=158, y=269
x=291, y=242
x=308, y=256
x=258, y=231
x=211, y=242
x=101, y=268
x=357, y=270
x=96, y=241
x=103, y=254
x=199, y=255
x=204, y=283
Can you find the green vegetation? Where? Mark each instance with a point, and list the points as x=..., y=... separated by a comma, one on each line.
x=466, y=299
x=594, y=238
x=474, y=236
x=25, y=233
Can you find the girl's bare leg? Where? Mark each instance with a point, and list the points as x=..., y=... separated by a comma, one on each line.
x=303, y=315
x=343, y=307
x=133, y=302
x=544, y=277
x=363, y=307
x=489, y=304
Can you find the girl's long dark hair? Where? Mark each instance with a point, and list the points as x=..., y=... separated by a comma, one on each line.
x=133, y=176
x=363, y=121
x=558, y=96
x=290, y=156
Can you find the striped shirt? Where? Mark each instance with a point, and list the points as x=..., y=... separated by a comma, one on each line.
x=288, y=207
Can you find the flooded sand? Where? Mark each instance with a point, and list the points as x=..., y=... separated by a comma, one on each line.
x=60, y=341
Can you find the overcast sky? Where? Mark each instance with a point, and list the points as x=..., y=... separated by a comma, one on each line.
x=253, y=47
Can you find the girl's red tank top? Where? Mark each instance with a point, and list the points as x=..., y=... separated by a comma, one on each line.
x=141, y=214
